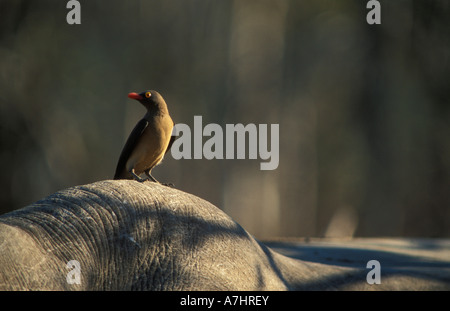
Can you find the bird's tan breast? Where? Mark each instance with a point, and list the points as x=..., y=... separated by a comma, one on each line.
x=152, y=144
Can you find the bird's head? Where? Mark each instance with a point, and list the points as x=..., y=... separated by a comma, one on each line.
x=152, y=100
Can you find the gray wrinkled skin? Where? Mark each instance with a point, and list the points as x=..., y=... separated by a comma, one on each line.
x=128, y=235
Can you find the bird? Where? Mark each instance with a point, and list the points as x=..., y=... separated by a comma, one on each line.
x=149, y=141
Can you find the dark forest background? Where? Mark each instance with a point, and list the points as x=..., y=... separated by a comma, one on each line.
x=363, y=109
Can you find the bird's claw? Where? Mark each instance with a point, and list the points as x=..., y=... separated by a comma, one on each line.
x=140, y=179
x=169, y=184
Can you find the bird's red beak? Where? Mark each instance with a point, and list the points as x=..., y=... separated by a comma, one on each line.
x=135, y=96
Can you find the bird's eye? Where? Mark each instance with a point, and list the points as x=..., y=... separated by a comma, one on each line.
x=148, y=94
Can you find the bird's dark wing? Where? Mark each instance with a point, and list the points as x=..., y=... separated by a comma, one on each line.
x=129, y=146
